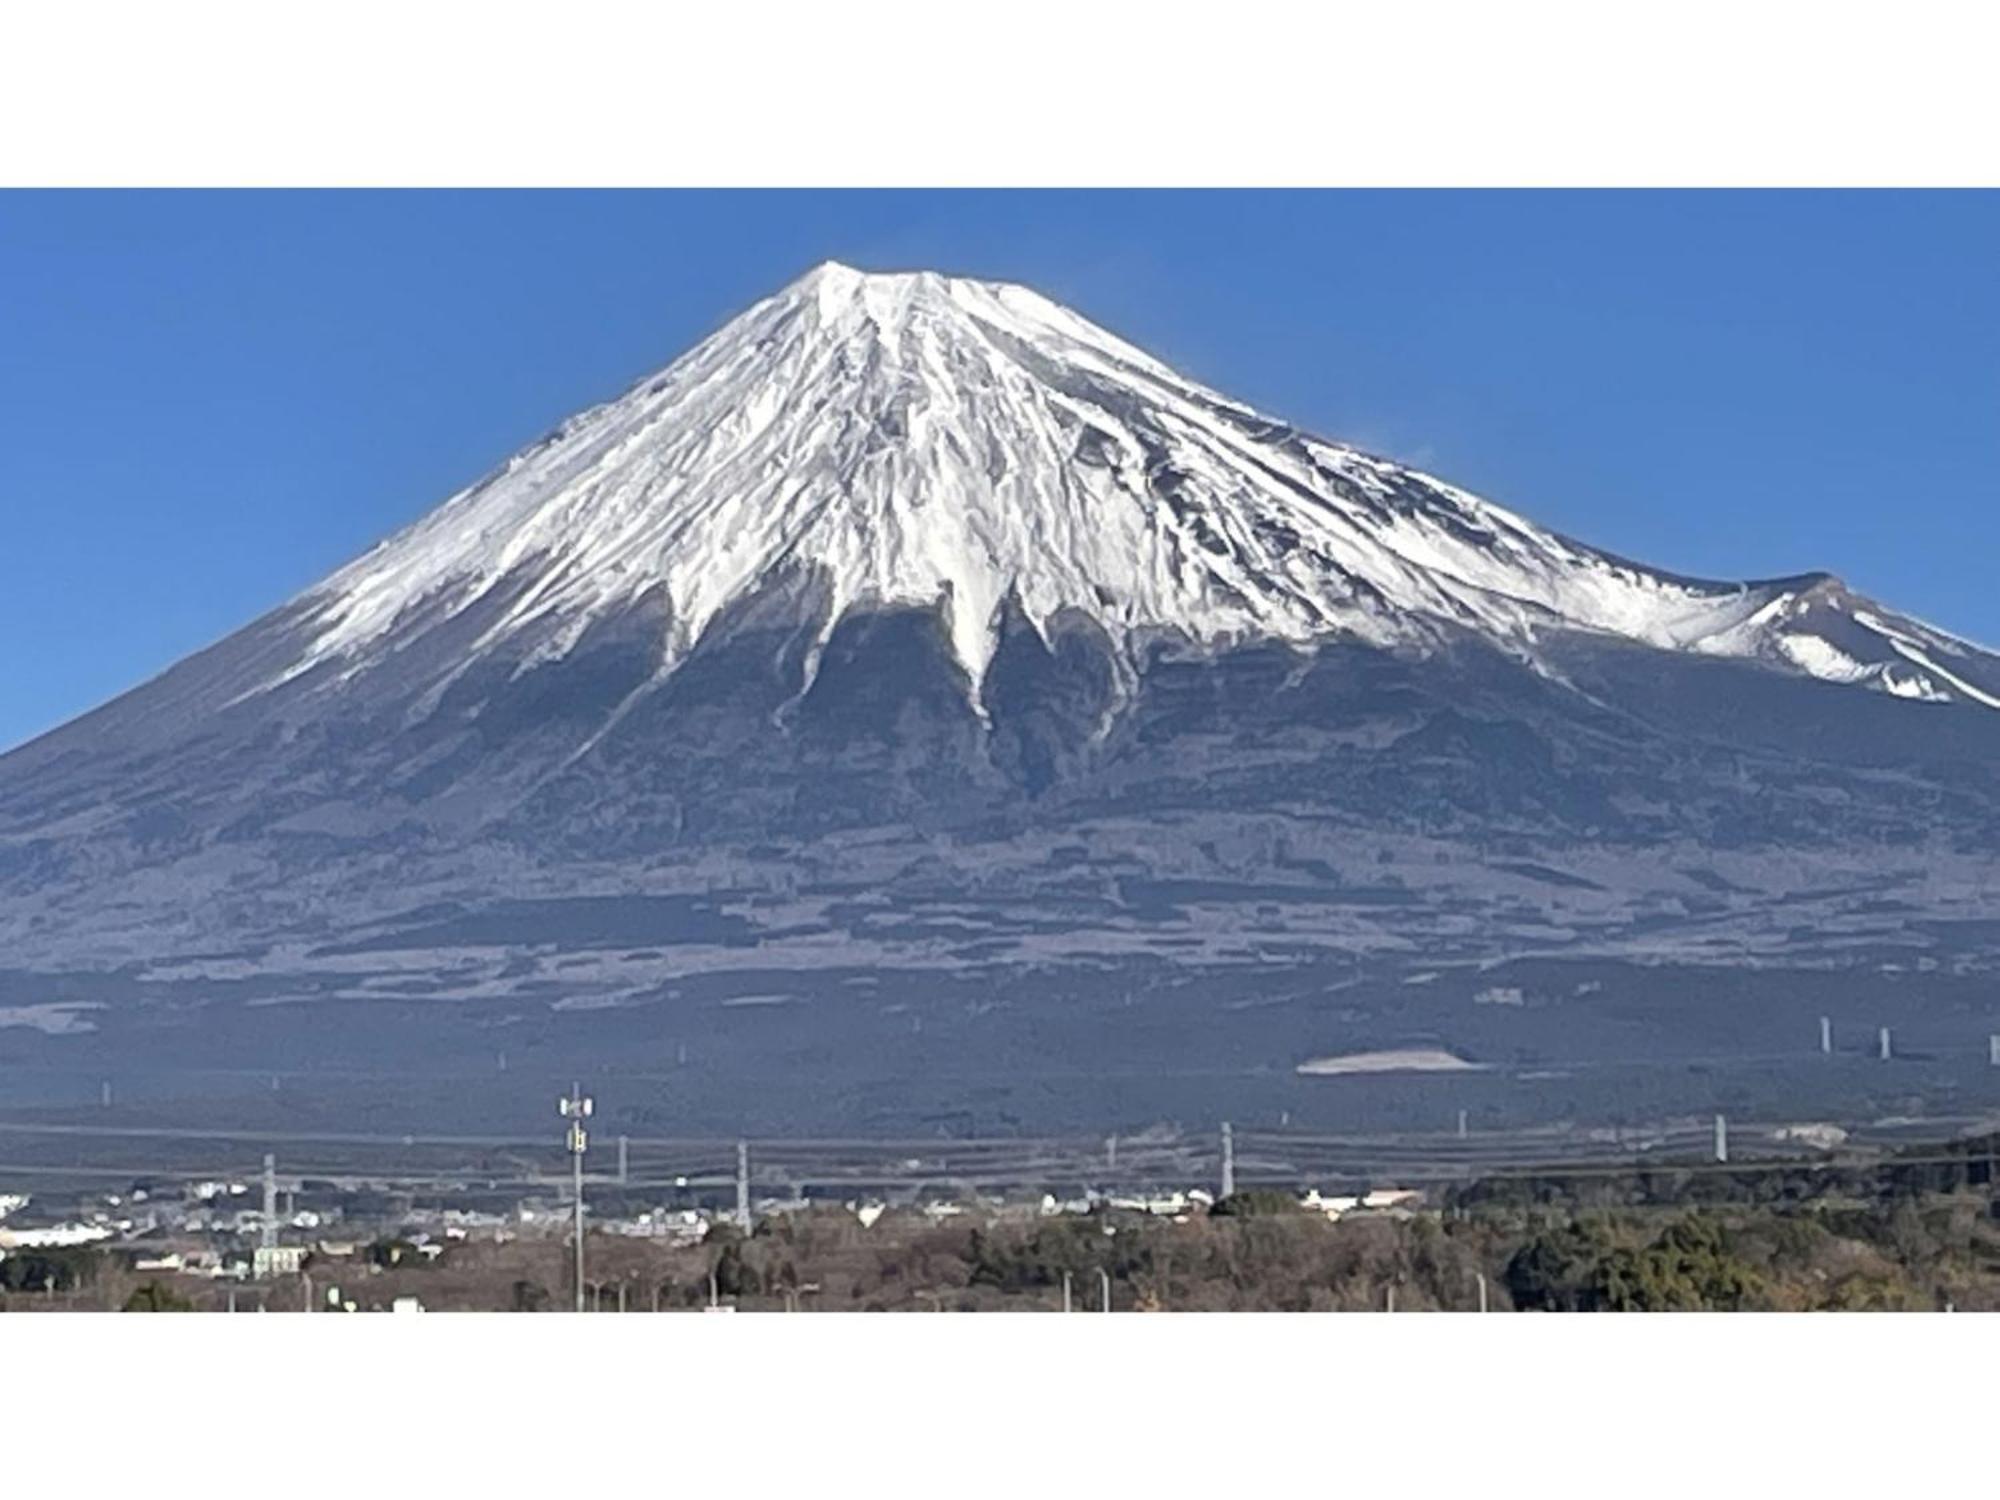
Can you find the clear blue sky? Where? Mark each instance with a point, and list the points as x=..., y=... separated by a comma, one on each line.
x=207, y=401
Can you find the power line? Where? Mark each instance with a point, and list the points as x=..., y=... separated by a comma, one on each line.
x=1528, y=1170
x=1939, y=1051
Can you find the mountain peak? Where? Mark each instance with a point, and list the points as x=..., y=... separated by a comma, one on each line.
x=838, y=294
x=840, y=279
x=881, y=306
x=835, y=281
x=833, y=284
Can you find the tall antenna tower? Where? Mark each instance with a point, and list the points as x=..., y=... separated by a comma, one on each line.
x=269, y=1234
x=576, y=1108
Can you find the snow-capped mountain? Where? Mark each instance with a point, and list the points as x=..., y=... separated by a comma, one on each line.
x=929, y=441
x=917, y=705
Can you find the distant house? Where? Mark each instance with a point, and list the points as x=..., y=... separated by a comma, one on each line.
x=1332, y=1207
x=53, y=1236
x=1385, y=1202
x=1392, y=1198
x=685, y=1226
x=1166, y=1205
x=277, y=1260
x=1052, y=1205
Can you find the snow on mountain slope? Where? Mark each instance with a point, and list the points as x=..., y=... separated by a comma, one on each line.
x=938, y=442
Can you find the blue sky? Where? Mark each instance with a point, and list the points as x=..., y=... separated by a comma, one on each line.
x=209, y=400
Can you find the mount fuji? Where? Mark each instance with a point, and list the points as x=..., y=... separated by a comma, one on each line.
x=922, y=697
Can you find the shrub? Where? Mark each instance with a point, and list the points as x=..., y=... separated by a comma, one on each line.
x=155, y=1296
x=1254, y=1203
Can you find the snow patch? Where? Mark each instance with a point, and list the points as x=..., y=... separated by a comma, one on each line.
x=1397, y=1060
x=59, y=1019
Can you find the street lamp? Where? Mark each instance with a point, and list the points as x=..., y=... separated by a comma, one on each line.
x=575, y=1107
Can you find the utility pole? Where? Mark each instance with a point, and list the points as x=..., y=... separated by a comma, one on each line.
x=1883, y=1039
x=743, y=1186
x=1480, y=1277
x=1721, y=1138
x=576, y=1107
x=1103, y=1290
x=269, y=1235
x=1389, y=1298
x=1228, y=1160
x=1826, y=1036
x=623, y=1175
x=1066, y=1297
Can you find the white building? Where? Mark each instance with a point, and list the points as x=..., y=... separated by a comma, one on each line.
x=52, y=1236
x=1389, y=1201
x=267, y=1261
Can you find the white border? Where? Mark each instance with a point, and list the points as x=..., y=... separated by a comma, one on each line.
x=1043, y=92
x=1001, y=1404
x=591, y=92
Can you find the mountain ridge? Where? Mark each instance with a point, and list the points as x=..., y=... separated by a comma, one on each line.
x=946, y=443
